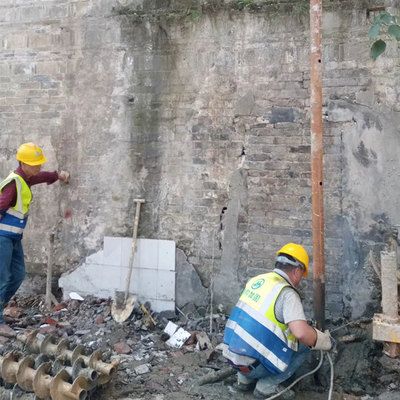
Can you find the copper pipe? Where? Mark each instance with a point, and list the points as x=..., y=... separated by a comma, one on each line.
x=317, y=161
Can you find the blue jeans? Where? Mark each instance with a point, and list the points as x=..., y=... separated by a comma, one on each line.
x=261, y=372
x=12, y=270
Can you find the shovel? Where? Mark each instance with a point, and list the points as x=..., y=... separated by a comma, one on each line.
x=121, y=310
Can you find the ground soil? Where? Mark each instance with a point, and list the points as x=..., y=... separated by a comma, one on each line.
x=151, y=370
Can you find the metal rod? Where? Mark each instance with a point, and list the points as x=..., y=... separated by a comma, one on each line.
x=317, y=161
x=49, y=271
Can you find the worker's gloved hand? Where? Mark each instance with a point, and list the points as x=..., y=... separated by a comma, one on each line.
x=63, y=176
x=324, y=341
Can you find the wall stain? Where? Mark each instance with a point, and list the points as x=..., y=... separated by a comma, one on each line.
x=365, y=156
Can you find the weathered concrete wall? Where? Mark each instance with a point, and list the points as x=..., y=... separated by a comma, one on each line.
x=203, y=112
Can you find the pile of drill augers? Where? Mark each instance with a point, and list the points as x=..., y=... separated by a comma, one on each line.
x=56, y=371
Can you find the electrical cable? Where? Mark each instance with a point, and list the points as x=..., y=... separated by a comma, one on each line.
x=310, y=373
x=332, y=375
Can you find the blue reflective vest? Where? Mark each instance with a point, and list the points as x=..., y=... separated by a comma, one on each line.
x=253, y=330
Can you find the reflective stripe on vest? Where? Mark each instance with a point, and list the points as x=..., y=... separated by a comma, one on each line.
x=15, y=218
x=253, y=329
x=12, y=229
x=256, y=345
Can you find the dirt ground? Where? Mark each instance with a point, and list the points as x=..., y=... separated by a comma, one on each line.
x=150, y=369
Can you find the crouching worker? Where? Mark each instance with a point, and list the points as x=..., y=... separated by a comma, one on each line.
x=267, y=337
x=15, y=200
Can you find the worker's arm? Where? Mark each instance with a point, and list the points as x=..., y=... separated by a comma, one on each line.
x=49, y=177
x=311, y=337
x=303, y=332
x=8, y=197
x=293, y=315
x=44, y=177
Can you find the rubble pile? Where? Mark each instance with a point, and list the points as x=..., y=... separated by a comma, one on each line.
x=84, y=332
x=169, y=355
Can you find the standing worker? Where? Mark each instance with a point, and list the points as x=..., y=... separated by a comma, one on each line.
x=15, y=200
x=262, y=335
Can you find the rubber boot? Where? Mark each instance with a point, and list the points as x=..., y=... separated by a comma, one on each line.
x=244, y=384
x=264, y=389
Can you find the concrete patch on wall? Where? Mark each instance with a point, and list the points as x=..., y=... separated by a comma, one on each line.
x=371, y=174
x=358, y=289
x=229, y=272
x=189, y=288
x=105, y=272
x=371, y=187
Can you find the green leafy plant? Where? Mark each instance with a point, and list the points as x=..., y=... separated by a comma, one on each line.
x=301, y=7
x=385, y=26
x=195, y=14
x=244, y=3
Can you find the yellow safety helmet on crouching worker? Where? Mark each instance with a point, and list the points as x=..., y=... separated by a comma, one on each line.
x=31, y=154
x=298, y=252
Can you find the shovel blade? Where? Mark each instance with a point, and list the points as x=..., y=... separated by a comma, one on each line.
x=121, y=312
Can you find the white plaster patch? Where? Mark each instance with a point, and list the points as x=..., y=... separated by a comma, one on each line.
x=105, y=272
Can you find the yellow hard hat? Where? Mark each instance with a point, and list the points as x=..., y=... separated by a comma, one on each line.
x=298, y=252
x=31, y=154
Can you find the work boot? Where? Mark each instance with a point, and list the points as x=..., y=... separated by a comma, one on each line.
x=7, y=331
x=264, y=389
x=244, y=384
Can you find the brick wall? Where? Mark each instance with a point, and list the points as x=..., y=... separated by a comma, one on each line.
x=205, y=115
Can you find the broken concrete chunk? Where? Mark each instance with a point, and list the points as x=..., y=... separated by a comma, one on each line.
x=203, y=341
x=82, y=332
x=178, y=339
x=142, y=369
x=13, y=312
x=122, y=348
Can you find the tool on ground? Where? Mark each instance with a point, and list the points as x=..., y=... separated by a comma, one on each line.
x=122, y=310
x=149, y=320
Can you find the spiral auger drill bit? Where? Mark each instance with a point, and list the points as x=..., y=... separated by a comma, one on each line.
x=94, y=361
x=9, y=367
x=49, y=346
x=78, y=368
x=61, y=389
x=15, y=369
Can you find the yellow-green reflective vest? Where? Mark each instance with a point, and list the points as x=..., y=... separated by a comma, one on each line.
x=253, y=329
x=14, y=220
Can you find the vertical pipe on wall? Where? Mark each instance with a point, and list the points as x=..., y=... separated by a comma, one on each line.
x=317, y=161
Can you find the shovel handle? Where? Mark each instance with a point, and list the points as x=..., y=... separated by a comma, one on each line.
x=133, y=250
